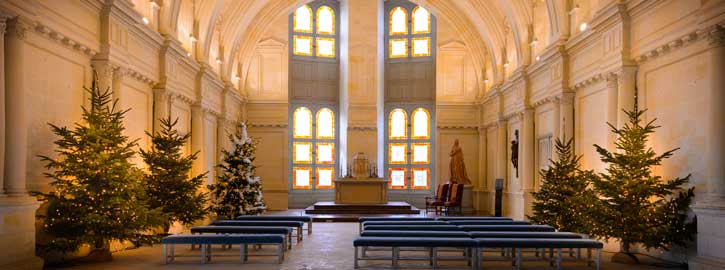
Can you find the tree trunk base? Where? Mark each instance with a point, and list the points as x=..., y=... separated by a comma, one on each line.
x=625, y=258
x=98, y=255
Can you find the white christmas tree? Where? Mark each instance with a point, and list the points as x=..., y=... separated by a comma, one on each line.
x=238, y=190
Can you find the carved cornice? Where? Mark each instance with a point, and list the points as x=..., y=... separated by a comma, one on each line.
x=594, y=79
x=362, y=128
x=459, y=126
x=56, y=36
x=139, y=76
x=268, y=125
x=679, y=43
x=178, y=95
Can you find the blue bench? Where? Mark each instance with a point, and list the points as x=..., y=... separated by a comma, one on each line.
x=363, y=219
x=472, y=218
x=507, y=228
x=307, y=219
x=432, y=243
x=263, y=223
x=403, y=222
x=286, y=231
x=206, y=240
x=449, y=234
x=412, y=228
x=536, y=243
x=487, y=222
x=490, y=234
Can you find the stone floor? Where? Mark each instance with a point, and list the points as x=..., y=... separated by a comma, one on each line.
x=329, y=247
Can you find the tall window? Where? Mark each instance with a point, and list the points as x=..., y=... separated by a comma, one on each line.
x=409, y=31
x=313, y=30
x=313, y=148
x=408, y=157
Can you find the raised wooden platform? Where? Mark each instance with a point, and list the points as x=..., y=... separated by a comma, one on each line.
x=331, y=211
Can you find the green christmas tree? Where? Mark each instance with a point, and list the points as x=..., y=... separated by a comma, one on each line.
x=168, y=184
x=638, y=206
x=565, y=201
x=238, y=190
x=98, y=195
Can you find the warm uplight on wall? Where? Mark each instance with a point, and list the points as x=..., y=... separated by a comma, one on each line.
x=237, y=78
x=534, y=42
x=154, y=4
x=145, y=20
x=583, y=27
x=218, y=60
x=188, y=54
x=485, y=81
x=538, y=58
x=506, y=64
x=192, y=37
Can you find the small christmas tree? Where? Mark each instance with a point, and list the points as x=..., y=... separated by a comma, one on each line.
x=565, y=200
x=238, y=191
x=168, y=185
x=98, y=194
x=639, y=207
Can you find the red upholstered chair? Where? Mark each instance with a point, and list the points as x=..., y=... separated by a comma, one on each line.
x=455, y=199
x=436, y=202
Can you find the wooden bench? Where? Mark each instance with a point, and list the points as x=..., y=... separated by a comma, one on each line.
x=286, y=231
x=472, y=218
x=412, y=228
x=431, y=243
x=487, y=222
x=307, y=219
x=206, y=240
x=545, y=243
x=507, y=228
x=263, y=223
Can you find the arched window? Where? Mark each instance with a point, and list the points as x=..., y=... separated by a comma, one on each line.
x=302, y=123
x=408, y=158
x=421, y=124
x=314, y=35
x=404, y=43
x=325, y=124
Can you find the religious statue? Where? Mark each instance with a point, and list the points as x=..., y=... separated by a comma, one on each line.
x=458, y=168
x=515, y=152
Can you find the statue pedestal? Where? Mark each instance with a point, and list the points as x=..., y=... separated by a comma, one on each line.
x=361, y=191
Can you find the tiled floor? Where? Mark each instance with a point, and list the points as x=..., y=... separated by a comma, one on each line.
x=329, y=247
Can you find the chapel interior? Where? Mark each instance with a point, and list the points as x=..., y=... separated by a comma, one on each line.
x=369, y=108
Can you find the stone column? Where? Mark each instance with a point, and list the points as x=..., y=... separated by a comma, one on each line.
x=710, y=210
x=105, y=71
x=116, y=83
x=16, y=114
x=197, y=139
x=612, y=108
x=625, y=93
x=3, y=24
x=502, y=152
x=482, y=181
x=566, y=116
x=526, y=161
x=162, y=107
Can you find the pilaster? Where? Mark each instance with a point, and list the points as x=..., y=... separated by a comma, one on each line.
x=612, y=107
x=3, y=25
x=16, y=114
x=527, y=168
x=625, y=93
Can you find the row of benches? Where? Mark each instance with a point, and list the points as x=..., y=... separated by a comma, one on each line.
x=473, y=235
x=243, y=231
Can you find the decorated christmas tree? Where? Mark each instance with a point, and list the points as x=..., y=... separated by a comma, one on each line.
x=238, y=190
x=565, y=200
x=168, y=183
x=98, y=195
x=638, y=206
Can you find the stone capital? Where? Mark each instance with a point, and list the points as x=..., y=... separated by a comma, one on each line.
x=716, y=36
x=17, y=28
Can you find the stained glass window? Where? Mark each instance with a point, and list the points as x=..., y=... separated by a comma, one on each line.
x=396, y=176
x=421, y=178
x=325, y=177
x=303, y=19
x=398, y=47
x=302, y=152
x=325, y=47
x=421, y=124
x=325, y=20
x=398, y=21
x=325, y=124
x=421, y=153
x=421, y=46
x=302, y=177
x=398, y=124
x=421, y=20
x=302, y=123
x=303, y=45
x=325, y=153
x=397, y=153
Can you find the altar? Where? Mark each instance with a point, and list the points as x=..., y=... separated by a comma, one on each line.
x=361, y=191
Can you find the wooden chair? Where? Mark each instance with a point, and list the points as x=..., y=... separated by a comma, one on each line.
x=455, y=199
x=440, y=198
